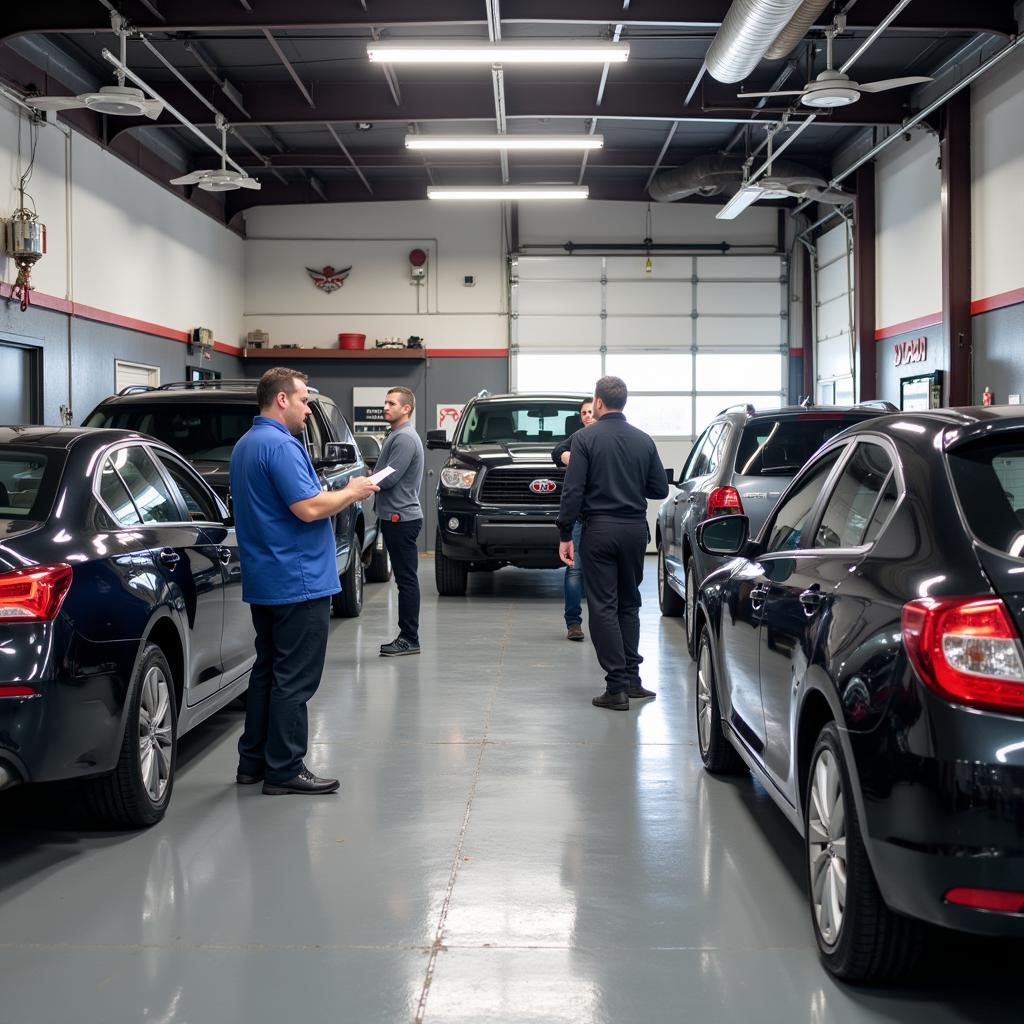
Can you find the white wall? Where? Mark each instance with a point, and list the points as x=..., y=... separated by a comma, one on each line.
x=997, y=140
x=137, y=249
x=378, y=298
x=909, y=231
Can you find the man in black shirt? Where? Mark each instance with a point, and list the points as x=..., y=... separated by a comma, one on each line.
x=613, y=469
x=573, y=589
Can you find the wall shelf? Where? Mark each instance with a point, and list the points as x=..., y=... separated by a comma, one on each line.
x=286, y=354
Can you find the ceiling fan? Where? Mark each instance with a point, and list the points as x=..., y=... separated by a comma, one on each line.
x=834, y=88
x=121, y=100
x=220, y=179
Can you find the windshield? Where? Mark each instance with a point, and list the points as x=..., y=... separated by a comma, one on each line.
x=780, y=447
x=989, y=480
x=206, y=432
x=531, y=421
x=28, y=481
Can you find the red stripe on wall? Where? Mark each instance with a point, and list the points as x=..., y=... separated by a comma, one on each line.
x=1000, y=301
x=103, y=316
x=908, y=325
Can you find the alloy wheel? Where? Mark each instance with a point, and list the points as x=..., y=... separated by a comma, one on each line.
x=155, y=738
x=826, y=847
x=704, y=684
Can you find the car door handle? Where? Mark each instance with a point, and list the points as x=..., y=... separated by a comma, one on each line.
x=758, y=595
x=169, y=557
x=811, y=600
x=225, y=555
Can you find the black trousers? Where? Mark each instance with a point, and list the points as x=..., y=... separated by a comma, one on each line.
x=400, y=540
x=291, y=645
x=613, y=568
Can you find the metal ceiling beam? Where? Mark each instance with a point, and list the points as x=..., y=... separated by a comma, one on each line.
x=389, y=72
x=288, y=66
x=994, y=16
x=348, y=155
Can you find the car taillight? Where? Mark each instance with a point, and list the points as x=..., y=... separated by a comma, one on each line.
x=967, y=649
x=34, y=594
x=998, y=900
x=725, y=501
x=17, y=691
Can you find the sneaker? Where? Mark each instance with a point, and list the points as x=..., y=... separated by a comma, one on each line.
x=398, y=647
x=574, y=631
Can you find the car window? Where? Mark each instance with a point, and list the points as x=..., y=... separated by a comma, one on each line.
x=792, y=518
x=115, y=495
x=22, y=488
x=780, y=447
x=145, y=485
x=718, y=450
x=853, y=499
x=988, y=476
x=691, y=458
x=199, y=504
x=337, y=421
x=314, y=437
x=886, y=503
x=535, y=420
x=702, y=461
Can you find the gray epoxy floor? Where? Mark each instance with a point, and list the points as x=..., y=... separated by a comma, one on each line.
x=499, y=851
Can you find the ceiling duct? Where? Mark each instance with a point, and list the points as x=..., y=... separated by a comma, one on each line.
x=749, y=28
x=790, y=36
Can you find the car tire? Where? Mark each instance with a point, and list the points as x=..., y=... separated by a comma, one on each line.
x=349, y=603
x=450, y=575
x=863, y=940
x=137, y=792
x=379, y=568
x=670, y=603
x=690, y=608
x=717, y=753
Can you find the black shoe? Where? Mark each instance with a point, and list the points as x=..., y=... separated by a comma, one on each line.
x=639, y=693
x=574, y=631
x=398, y=647
x=305, y=783
x=618, y=701
x=245, y=779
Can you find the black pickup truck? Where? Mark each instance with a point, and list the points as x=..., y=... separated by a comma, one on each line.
x=498, y=493
x=202, y=420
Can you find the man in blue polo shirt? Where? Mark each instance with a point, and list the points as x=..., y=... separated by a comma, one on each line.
x=287, y=550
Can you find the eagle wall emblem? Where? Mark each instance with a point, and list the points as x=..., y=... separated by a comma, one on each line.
x=328, y=279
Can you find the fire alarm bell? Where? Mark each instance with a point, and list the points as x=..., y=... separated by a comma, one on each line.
x=418, y=262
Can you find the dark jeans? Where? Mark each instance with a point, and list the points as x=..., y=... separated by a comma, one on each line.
x=291, y=645
x=574, y=580
x=400, y=540
x=613, y=568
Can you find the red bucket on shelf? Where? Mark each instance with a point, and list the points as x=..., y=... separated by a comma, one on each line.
x=352, y=340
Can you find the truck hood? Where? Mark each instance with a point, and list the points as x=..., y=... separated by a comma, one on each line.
x=506, y=453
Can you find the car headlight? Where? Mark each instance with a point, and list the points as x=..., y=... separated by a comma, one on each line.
x=458, y=479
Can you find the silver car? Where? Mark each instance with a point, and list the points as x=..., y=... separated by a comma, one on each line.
x=742, y=463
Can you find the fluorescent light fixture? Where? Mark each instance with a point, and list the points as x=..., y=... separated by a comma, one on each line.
x=508, y=52
x=504, y=142
x=739, y=202
x=507, y=193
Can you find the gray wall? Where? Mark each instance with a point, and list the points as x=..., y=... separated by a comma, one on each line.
x=434, y=382
x=93, y=348
x=999, y=353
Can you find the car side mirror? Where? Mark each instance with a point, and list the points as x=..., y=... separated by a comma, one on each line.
x=438, y=439
x=670, y=475
x=723, y=535
x=338, y=453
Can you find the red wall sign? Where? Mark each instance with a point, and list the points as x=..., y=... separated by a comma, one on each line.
x=913, y=351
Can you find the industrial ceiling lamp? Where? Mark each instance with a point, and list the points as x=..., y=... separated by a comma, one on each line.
x=504, y=142
x=507, y=193
x=502, y=52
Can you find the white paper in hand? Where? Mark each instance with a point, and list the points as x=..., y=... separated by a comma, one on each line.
x=382, y=474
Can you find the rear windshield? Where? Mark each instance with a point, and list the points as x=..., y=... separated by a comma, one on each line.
x=28, y=481
x=989, y=480
x=780, y=447
x=206, y=432
x=532, y=421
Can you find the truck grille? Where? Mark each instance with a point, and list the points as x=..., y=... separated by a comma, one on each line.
x=512, y=486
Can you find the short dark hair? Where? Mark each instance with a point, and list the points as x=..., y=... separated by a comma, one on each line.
x=586, y=401
x=613, y=392
x=408, y=398
x=276, y=380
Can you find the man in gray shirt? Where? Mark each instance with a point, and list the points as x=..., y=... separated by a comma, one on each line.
x=401, y=517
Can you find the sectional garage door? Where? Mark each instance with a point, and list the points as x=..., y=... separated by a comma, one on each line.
x=693, y=335
x=834, y=320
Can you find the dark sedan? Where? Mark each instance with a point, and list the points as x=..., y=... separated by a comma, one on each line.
x=121, y=619
x=863, y=658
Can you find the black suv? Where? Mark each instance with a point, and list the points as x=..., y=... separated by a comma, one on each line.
x=202, y=420
x=498, y=493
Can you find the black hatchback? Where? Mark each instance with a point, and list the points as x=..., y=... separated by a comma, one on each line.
x=121, y=615
x=863, y=658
